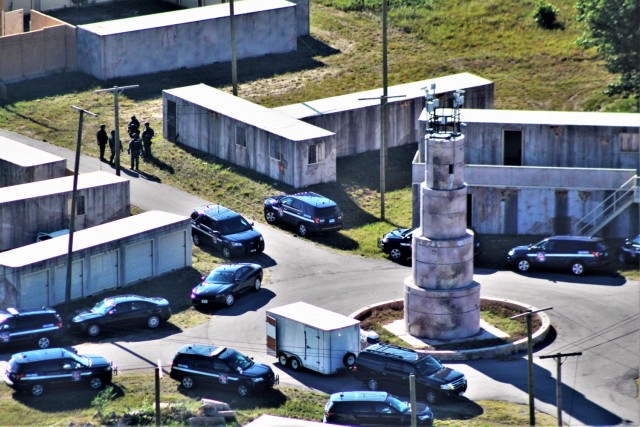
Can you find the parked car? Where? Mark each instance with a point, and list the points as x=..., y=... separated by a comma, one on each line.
x=33, y=327
x=37, y=370
x=220, y=366
x=308, y=212
x=121, y=312
x=224, y=283
x=629, y=251
x=573, y=253
x=373, y=408
x=397, y=243
x=387, y=367
x=225, y=230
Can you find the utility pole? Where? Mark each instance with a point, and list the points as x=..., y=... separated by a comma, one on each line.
x=412, y=399
x=532, y=409
x=72, y=213
x=558, y=357
x=234, y=50
x=117, y=90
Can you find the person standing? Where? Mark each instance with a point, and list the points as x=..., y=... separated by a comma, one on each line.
x=112, y=146
x=135, y=148
x=133, y=126
x=102, y=139
x=147, y=134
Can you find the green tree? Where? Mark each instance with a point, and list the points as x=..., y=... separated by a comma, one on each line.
x=613, y=28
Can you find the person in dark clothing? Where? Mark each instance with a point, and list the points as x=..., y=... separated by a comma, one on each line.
x=147, y=134
x=133, y=126
x=112, y=146
x=102, y=139
x=135, y=149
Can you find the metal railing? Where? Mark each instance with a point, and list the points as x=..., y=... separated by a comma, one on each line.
x=605, y=212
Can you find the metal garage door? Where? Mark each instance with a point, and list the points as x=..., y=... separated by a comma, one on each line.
x=172, y=252
x=60, y=282
x=139, y=261
x=103, y=272
x=34, y=289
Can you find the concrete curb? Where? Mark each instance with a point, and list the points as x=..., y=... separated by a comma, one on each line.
x=479, y=353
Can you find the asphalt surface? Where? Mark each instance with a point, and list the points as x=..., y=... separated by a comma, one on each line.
x=595, y=315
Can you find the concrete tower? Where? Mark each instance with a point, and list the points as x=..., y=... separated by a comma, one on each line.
x=442, y=301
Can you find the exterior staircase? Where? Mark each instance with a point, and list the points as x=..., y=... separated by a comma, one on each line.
x=605, y=212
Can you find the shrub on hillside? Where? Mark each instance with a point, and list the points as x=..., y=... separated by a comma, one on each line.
x=545, y=14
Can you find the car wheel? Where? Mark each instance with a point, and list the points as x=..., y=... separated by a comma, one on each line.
x=243, y=390
x=96, y=383
x=37, y=389
x=226, y=252
x=44, y=342
x=257, y=284
x=523, y=265
x=372, y=384
x=295, y=363
x=302, y=229
x=229, y=300
x=93, y=330
x=282, y=359
x=195, y=237
x=577, y=268
x=395, y=254
x=431, y=396
x=187, y=382
x=153, y=322
x=349, y=360
x=270, y=216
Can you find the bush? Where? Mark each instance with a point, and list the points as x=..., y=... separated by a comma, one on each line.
x=545, y=14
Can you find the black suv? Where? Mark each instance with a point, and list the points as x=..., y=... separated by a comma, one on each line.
x=574, y=253
x=220, y=366
x=308, y=212
x=397, y=243
x=388, y=366
x=225, y=230
x=362, y=408
x=36, y=370
x=33, y=327
x=629, y=251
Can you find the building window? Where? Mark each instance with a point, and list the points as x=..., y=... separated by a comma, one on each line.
x=275, y=149
x=629, y=142
x=512, y=147
x=241, y=138
x=80, y=207
x=316, y=153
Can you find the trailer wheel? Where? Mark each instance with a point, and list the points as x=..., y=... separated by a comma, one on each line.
x=295, y=363
x=282, y=359
x=349, y=360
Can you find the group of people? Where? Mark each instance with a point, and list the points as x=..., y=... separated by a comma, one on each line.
x=139, y=143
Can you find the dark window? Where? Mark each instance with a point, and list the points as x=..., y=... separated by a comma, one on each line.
x=512, y=147
x=80, y=210
x=241, y=138
x=629, y=142
x=275, y=149
x=220, y=366
x=296, y=204
x=316, y=153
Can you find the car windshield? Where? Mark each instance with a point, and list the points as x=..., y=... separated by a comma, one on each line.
x=428, y=365
x=237, y=361
x=398, y=404
x=636, y=241
x=233, y=225
x=103, y=306
x=3, y=317
x=217, y=276
x=408, y=232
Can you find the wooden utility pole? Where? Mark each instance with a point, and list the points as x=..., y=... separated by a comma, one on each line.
x=234, y=50
x=558, y=357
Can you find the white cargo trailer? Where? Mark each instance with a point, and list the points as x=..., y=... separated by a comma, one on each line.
x=303, y=335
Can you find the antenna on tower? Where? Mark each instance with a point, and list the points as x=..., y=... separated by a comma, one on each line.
x=443, y=122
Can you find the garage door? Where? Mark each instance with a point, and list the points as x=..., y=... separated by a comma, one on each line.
x=34, y=289
x=60, y=282
x=172, y=251
x=103, y=272
x=139, y=261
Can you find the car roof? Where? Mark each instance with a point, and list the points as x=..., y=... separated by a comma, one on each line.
x=39, y=355
x=235, y=266
x=127, y=297
x=201, y=350
x=216, y=211
x=396, y=352
x=314, y=199
x=28, y=311
x=359, y=396
x=577, y=238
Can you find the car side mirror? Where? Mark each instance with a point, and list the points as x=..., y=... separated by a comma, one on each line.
x=66, y=366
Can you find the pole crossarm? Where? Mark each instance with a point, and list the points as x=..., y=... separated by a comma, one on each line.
x=558, y=357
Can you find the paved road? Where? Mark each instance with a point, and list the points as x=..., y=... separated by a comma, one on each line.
x=597, y=315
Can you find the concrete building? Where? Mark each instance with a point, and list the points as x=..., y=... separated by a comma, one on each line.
x=249, y=135
x=27, y=209
x=115, y=254
x=21, y=164
x=185, y=38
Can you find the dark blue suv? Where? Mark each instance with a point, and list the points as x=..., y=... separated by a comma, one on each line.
x=225, y=230
x=309, y=212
